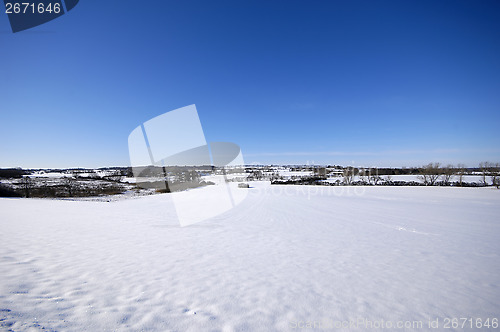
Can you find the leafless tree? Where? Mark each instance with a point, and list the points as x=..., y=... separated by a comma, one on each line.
x=275, y=176
x=460, y=171
x=430, y=173
x=348, y=175
x=374, y=177
x=447, y=171
x=27, y=184
x=495, y=174
x=364, y=176
x=69, y=184
x=485, y=168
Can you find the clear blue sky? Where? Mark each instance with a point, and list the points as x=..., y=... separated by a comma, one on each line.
x=367, y=83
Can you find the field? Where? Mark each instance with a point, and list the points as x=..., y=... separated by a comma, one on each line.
x=286, y=258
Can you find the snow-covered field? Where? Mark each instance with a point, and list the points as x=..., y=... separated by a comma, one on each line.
x=286, y=257
x=469, y=179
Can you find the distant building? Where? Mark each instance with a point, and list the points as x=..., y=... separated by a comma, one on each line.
x=334, y=172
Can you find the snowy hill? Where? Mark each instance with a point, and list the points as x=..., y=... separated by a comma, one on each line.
x=286, y=257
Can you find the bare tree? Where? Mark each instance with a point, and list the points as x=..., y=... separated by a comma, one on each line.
x=348, y=175
x=447, y=172
x=430, y=173
x=495, y=174
x=485, y=171
x=364, y=176
x=27, y=184
x=460, y=170
x=69, y=184
x=374, y=177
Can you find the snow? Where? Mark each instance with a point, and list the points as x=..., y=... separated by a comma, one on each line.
x=285, y=256
x=43, y=174
x=454, y=178
x=415, y=178
x=129, y=180
x=288, y=174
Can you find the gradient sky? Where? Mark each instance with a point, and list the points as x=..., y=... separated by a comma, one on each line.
x=365, y=83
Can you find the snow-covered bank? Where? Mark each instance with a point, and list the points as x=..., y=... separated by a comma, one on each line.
x=287, y=254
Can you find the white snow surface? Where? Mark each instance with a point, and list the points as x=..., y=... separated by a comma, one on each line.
x=287, y=255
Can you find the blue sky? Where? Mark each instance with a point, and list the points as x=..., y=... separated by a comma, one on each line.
x=366, y=83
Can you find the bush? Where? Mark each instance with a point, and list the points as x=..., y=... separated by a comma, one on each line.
x=8, y=192
x=12, y=173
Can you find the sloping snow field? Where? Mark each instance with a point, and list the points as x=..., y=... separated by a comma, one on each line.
x=286, y=258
